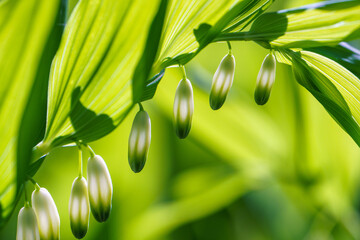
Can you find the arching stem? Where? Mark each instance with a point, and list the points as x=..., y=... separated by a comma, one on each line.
x=183, y=71
x=36, y=185
x=229, y=46
x=80, y=162
x=91, y=151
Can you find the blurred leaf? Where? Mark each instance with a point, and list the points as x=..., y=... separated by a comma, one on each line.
x=197, y=179
x=319, y=24
x=25, y=26
x=165, y=217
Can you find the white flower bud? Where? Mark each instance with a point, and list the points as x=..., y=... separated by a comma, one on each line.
x=139, y=141
x=183, y=108
x=100, y=188
x=46, y=214
x=222, y=81
x=265, y=80
x=79, y=208
x=27, y=226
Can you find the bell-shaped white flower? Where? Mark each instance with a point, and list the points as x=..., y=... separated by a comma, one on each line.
x=183, y=108
x=100, y=188
x=139, y=141
x=222, y=81
x=79, y=207
x=46, y=214
x=27, y=226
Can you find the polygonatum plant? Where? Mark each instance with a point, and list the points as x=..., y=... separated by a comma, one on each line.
x=72, y=79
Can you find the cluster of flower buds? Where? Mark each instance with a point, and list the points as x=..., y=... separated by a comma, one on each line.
x=265, y=80
x=95, y=195
x=139, y=140
x=224, y=76
x=41, y=221
x=140, y=135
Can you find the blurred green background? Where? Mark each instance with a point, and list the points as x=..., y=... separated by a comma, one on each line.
x=285, y=170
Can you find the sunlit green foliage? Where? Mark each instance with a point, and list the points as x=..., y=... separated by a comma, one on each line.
x=113, y=55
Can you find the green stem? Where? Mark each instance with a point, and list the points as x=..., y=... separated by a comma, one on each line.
x=36, y=185
x=229, y=46
x=92, y=153
x=141, y=108
x=80, y=162
x=236, y=36
x=183, y=71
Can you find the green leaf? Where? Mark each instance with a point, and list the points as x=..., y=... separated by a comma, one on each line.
x=319, y=24
x=184, y=38
x=90, y=89
x=151, y=86
x=34, y=167
x=344, y=54
x=142, y=70
x=32, y=127
x=24, y=32
x=335, y=87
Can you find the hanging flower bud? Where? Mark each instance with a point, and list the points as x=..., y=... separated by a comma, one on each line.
x=222, y=81
x=27, y=226
x=183, y=108
x=46, y=213
x=79, y=208
x=100, y=188
x=139, y=141
x=265, y=79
